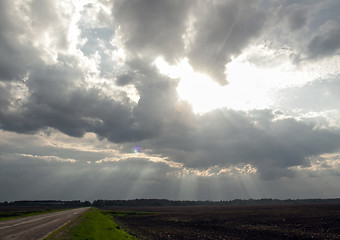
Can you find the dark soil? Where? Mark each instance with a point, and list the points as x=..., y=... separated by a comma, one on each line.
x=232, y=222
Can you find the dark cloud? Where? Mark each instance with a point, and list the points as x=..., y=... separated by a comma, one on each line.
x=56, y=101
x=221, y=138
x=15, y=56
x=320, y=36
x=227, y=137
x=125, y=79
x=297, y=19
x=59, y=98
x=325, y=45
x=221, y=31
x=293, y=15
x=23, y=29
x=307, y=28
x=157, y=98
x=5, y=96
x=47, y=86
x=153, y=27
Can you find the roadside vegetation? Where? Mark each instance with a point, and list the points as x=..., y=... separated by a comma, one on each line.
x=93, y=224
x=7, y=215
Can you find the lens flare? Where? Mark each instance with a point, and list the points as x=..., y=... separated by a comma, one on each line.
x=137, y=149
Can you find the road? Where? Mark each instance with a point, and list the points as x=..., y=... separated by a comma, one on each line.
x=37, y=227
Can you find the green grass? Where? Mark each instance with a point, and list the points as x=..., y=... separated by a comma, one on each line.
x=93, y=224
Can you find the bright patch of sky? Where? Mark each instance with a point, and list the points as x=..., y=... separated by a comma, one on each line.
x=254, y=79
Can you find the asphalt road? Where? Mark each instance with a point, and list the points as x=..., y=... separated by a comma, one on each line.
x=37, y=227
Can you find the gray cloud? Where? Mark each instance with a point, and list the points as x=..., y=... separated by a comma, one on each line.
x=222, y=30
x=227, y=137
x=56, y=100
x=325, y=45
x=308, y=28
x=4, y=96
x=125, y=79
x=47, y=86
x=294, y=16
x=297, y=19
x=322, y=33
x=34, y=178
x=219, y=138
x=22, y=30
x=153, y=27
x=16, y=57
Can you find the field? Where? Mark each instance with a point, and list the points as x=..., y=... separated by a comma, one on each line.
x=231, y=222
x=10, y=212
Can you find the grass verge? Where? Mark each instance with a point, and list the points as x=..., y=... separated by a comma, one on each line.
x=93, y=224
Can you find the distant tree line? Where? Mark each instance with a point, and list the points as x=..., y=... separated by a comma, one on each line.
x=235, y=202
x=164, y=202
x=48, y=203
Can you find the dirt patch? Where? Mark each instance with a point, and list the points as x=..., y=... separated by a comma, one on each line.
x=226, y=222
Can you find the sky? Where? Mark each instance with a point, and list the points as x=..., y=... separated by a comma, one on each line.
x=175, y=99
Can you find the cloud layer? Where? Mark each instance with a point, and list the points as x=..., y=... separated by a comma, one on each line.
x=82, y=100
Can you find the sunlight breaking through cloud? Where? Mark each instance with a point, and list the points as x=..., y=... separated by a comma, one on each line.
x=169, y=99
